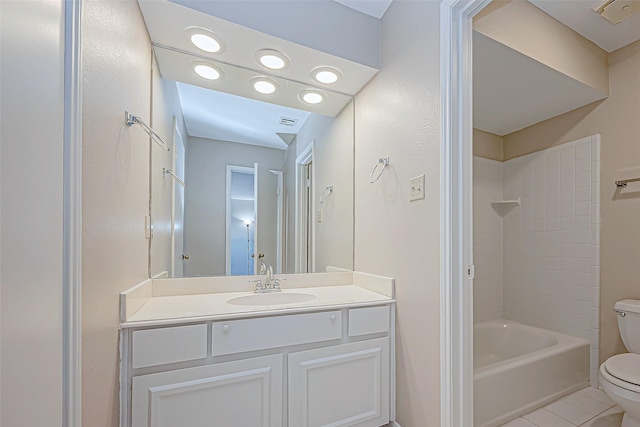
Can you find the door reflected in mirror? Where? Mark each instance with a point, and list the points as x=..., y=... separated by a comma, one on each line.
x=257, y=179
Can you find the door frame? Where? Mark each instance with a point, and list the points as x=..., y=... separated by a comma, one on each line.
x=177, y=138
x=456, y=211
x=72, y=218
x=301, y=223
x=279, y=209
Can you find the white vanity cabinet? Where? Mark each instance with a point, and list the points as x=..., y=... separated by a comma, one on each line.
x=319, y=368
x=246, y=392
x=342, y=385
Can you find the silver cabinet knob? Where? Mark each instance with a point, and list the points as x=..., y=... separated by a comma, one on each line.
x=226, y=328
x=185, y=257
x=332, y=317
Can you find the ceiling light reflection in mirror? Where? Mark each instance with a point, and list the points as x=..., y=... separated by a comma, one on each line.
x=208, y=72
x=326, y=75
x=174, y=65
x=272, y=59
x=312, y=97
x=264, y=85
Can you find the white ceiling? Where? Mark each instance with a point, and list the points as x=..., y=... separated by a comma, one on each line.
x=375, y=8
x=512, y=91
x=225, y=117
x=579, y=16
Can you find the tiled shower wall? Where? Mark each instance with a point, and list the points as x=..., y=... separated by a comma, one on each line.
x=551, y=242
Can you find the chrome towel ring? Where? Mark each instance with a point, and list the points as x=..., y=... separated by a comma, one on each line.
x=325, y=193
x=384, y=162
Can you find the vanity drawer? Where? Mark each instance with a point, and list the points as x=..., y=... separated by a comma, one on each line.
x=368, y=320
x=236, y=336
x=153, y=347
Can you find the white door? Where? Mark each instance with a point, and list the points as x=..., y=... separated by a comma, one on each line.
x=177, y=215
x=242, y=393
x=345, y=385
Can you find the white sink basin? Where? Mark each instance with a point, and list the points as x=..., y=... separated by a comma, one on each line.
x=272, y=299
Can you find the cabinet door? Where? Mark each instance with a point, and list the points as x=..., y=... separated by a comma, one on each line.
x=242, y=393
x=345, y=385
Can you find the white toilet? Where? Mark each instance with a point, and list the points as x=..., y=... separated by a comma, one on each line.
x=620, y=374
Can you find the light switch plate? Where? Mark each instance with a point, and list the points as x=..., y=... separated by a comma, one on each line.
x=416, y=188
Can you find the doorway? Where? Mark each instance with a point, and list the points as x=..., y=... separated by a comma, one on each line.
x=241, y=220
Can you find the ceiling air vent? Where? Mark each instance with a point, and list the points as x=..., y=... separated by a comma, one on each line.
x=616, y=11
x=287, y=121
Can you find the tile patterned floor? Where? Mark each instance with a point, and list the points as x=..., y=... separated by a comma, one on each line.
x=586, y=408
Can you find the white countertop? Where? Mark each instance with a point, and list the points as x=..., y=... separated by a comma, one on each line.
x=174, y=309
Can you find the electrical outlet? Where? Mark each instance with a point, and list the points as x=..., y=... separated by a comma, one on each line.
x=416, y=188
x=319, y=215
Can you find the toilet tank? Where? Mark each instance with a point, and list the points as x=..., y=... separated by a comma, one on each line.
x=629, y=323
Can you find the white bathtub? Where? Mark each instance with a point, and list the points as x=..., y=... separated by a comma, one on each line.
x=519, y=368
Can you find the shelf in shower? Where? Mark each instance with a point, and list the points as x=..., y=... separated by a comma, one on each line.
x=503, y=207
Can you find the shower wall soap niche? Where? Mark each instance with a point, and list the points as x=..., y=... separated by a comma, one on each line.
x=503, y=207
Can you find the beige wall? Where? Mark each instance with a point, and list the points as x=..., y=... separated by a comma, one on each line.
x=333, y=165
x=527, y=29
x=31, y=279
x=116, y=77
x=616, y=119
x=487, y=145
x=398, y=115
x=166, y=106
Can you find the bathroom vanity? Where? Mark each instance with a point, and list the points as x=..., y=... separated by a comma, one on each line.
x=210, y=351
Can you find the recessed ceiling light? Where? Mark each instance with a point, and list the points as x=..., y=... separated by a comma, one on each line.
x=264, y=85
x=311, y=96
x=272, y=59
x=326, y=75
x=208, y=72
x=204, y=39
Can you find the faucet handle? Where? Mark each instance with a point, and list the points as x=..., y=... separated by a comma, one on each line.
x=259, y=286
x=276, y=282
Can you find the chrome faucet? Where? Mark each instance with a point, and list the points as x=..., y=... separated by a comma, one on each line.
x=269, y=279
x=271, y=284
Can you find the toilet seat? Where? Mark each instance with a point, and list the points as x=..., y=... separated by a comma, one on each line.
x=624, y=370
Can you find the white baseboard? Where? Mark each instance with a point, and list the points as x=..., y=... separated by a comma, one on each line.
x=394, y=424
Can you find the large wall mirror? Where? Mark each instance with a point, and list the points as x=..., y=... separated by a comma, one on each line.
x=250, y=177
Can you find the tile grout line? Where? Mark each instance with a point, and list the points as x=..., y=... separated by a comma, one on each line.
x=569, y=421
x=560, y=416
